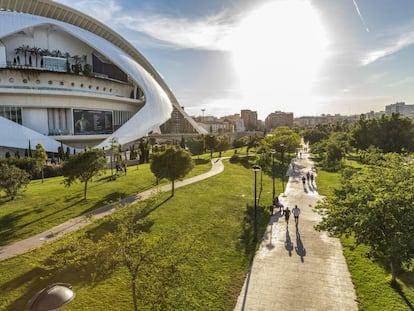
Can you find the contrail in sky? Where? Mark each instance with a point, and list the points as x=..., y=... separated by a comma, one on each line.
x=360, y=15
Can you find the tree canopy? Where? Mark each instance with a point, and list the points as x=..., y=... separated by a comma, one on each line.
x=375, y=205
x=40, y=156
x=282, y=139
x=388, y=133
x=83, y=167
x=173, y=163
x=12, y=179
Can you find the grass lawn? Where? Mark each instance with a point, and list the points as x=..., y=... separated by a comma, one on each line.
x=45, y=205
x=371, y=279
x=221, y=204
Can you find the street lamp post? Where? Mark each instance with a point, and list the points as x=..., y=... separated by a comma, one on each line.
x=53, y=297
x=256, y=168
x=273, y=151
x=282, y=155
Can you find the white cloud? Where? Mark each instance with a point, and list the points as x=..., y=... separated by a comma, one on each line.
x=209, y=33
x=397, y=44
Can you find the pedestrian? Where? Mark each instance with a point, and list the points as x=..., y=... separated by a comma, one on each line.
x=307, y=176
x=287, y=215
x=277, y=204
x=311, y=177
x=303, y=181
x=296, y=213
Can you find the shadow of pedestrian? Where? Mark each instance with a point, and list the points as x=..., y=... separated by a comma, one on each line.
x=288, y=243
x=300, y=249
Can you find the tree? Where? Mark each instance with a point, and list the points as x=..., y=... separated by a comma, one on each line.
x=222, y=143
x=40, y=156
x=12, y=179
x=196, y=145
x=67, y=155
x=211, y=143
x=173, y=163
x=182, y=142
x=388, y=133
x=30, y=150
x=83, y=167
x=283, y=138
x=144, y=151
x=375, y=205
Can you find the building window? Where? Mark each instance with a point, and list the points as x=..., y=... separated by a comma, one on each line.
x=11, y=113
x=11, y=80
x=25, y=81
x=73, y=84
x=97, y=88
x=62, y=83
x=104, y=89
x=37, y=81
x=90, y=86
x=81, y=85
x=50, y=82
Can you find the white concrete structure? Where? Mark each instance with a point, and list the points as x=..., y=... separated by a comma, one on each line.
x=69, y=78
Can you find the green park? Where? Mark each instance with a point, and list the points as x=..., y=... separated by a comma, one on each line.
x=190, y=248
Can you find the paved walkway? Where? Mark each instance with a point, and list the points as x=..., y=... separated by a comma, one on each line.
x=74, y=224
x=298, y=268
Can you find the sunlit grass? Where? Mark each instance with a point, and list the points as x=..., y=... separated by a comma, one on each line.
x=45, y=205
x=218, y=204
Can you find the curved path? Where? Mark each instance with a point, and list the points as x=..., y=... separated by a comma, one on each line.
x=74, y=224
x=298, y=268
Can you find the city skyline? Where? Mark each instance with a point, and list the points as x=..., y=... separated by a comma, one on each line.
x=306, y=57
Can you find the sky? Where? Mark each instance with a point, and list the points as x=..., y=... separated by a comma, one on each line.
x=309, y=57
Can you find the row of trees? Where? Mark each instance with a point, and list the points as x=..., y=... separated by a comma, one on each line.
x=74, y=63
x=334, y=141
x=374, y=204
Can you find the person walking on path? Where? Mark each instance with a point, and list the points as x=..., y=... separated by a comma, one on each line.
x=277, y=204
x=287, y=215
x=296, y=213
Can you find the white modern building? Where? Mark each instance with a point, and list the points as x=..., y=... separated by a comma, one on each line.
x=67, y=78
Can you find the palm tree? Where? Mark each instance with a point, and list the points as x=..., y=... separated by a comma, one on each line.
x=56, y=53
x=67, y=56
x=77, y=67
x=25, y=49
x=18, y=51
x=36, y=52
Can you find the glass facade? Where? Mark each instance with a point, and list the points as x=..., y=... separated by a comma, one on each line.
x=12, y=113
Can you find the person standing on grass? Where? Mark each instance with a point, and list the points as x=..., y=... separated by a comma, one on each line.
x=296, y=213
x=287, y=215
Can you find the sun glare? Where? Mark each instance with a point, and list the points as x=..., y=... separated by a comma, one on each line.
x=277, y=51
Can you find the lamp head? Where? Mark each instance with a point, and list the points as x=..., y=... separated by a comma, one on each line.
x=53, y=297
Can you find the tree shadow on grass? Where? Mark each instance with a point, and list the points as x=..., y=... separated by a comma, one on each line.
x=39, y=278
x=8, y=226
x=110, y=225
x=107, y=202
x=399, y=290
x=9, y=223
x=201, y=161
x=247, y=242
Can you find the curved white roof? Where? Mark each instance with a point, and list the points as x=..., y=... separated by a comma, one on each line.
x=158, y=106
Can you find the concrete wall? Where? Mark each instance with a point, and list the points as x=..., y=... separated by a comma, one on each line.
x=35, y=119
